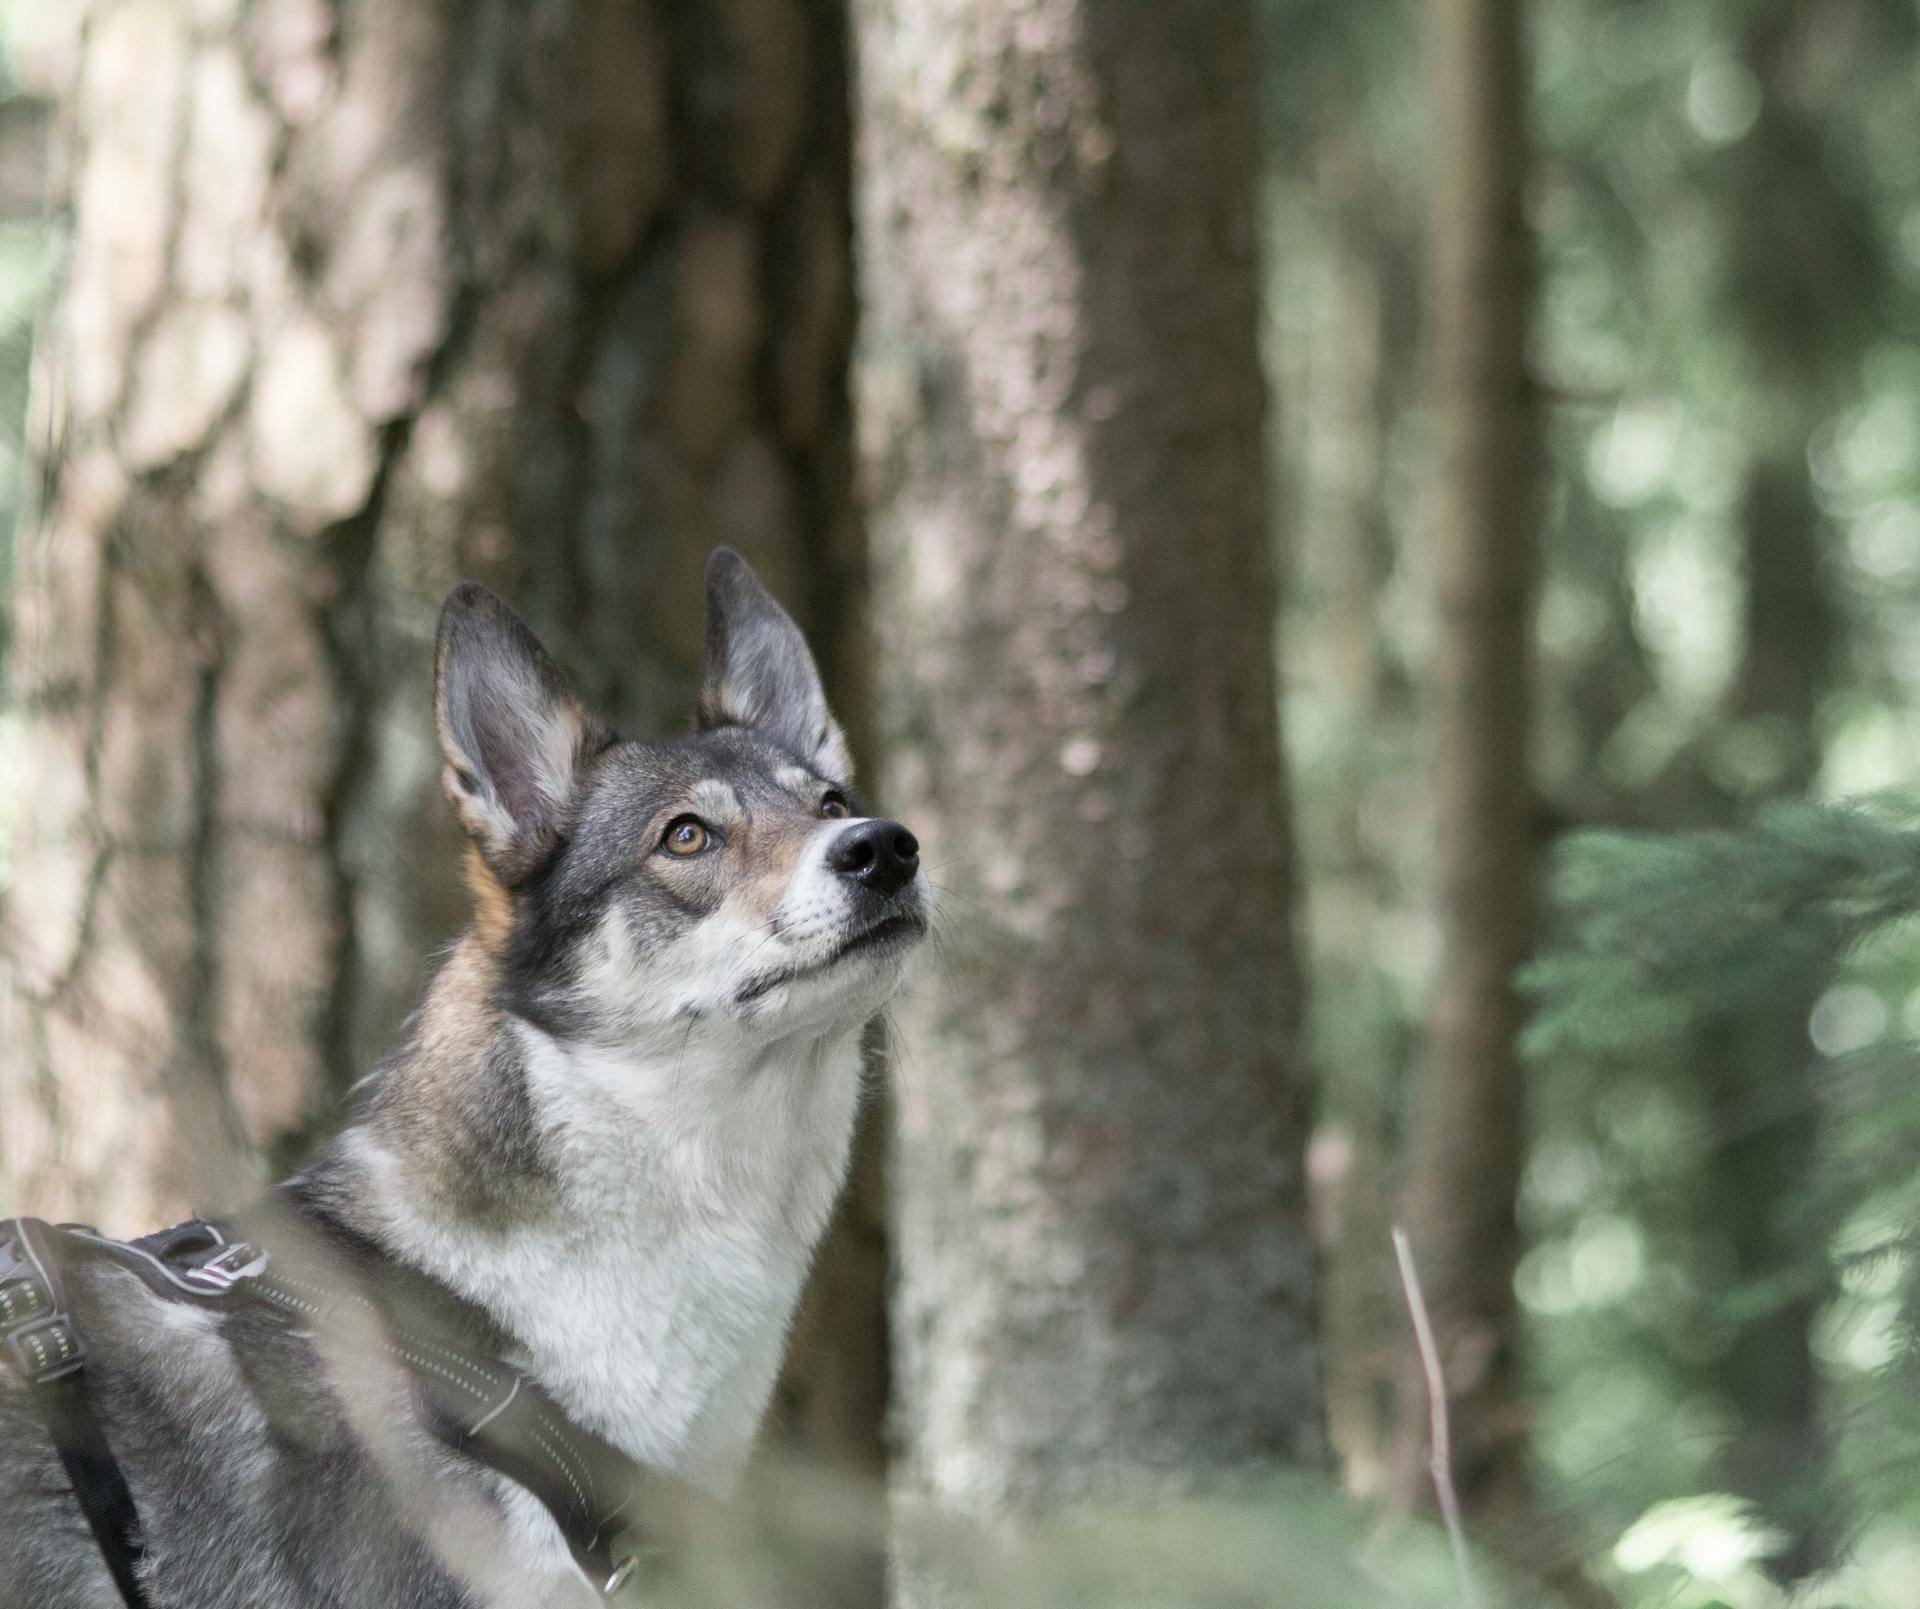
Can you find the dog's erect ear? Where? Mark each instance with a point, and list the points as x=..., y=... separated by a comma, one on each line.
x=515, y=735
x=760, y=673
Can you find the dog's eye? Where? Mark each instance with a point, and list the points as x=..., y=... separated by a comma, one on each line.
x=834, y=806
x=686, y=835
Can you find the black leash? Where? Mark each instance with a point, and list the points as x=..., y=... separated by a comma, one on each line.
x=323, y=1279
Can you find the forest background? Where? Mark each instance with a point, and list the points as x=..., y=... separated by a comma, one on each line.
x=1562, y=363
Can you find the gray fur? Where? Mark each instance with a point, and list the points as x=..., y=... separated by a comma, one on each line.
x=616, y=1125
x=515, y=734
x=760, y=672
x=238, y=1510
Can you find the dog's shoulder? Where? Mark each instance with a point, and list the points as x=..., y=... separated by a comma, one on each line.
x=265, y=1473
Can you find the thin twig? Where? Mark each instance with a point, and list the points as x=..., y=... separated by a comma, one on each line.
x=1440, y=1458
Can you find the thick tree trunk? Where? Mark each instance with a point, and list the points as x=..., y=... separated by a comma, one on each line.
x=366, y=297
x=1465, y=1143
x=1104, y=1271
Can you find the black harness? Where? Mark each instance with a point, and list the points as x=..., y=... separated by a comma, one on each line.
x=322, y=1279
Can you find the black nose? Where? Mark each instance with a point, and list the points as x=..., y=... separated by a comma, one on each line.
x=881, y=854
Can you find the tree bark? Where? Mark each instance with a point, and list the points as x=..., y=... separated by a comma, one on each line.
x=1466, y=1135
x=1104, y=1269
x=364, y=298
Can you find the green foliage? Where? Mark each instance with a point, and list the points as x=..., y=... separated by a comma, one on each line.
x=1661, y=943
x=1292, y=1542
x=1660, y=933
x=1726, y=208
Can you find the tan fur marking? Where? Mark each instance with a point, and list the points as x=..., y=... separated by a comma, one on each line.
x=492, y=904
x=773, y=849
x=458, y=1023
x=459, y=1008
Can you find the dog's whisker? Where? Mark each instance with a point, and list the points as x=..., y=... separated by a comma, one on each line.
x=947, y=892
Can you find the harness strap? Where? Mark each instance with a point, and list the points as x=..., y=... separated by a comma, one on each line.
x=317, y=1279
x=326, y=1277
x=509, y=1425
x=47, y=1351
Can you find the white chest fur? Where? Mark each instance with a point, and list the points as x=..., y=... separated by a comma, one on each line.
x=694, y=1188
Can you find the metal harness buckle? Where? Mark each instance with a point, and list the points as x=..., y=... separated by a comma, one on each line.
x=221, y=1272
x=639, y=1557
x=47, y=1349
x=622, y=1574
x=23, y=1299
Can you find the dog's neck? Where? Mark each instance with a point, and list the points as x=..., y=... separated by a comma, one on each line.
x=640, y=1218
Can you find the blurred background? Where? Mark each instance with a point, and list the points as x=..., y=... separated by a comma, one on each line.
x=1376, y=545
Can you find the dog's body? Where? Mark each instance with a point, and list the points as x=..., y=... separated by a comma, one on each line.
x=616, y=1126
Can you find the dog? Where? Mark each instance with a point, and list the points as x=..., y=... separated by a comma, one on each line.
x=610, y=1138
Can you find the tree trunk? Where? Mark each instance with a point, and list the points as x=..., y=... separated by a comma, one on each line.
x=1760, y=1074
x=1800, y=263
x=366, y=297
x=1354, y=817
x=1465, y=1142
x=1104, y=1270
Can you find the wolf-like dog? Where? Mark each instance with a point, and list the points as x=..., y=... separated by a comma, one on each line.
x=615, y=1127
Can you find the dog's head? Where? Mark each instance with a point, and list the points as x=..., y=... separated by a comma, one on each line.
x=626, y=888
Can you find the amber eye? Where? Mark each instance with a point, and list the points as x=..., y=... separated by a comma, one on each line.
x=834, y=807
x=686, y=835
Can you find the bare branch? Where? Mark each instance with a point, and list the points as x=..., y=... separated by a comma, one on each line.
x=1440, y=1438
